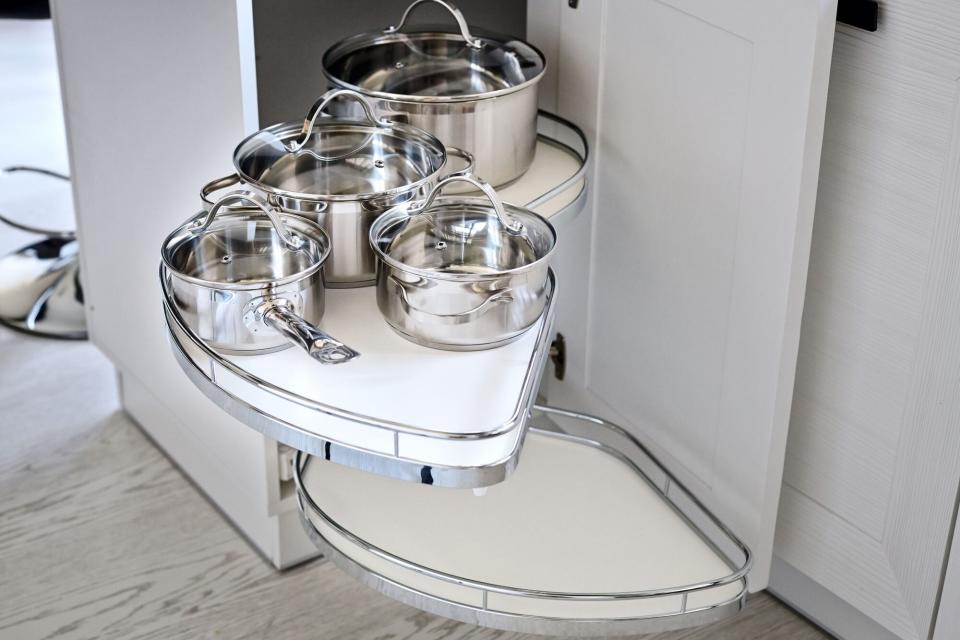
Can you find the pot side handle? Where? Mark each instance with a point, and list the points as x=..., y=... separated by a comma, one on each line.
x=462, y=317
x=472, y=42
x=466, y=156
x=207, y=190
x=320, y=346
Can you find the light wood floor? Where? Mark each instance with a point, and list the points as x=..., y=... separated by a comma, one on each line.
x=102, y=537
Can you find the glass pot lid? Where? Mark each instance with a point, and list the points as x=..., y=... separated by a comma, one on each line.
x=245, y=249
x=334, y=158
x=462, y=237
x=430, y=64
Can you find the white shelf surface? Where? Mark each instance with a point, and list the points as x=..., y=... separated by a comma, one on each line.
x=551, y=165
x=571, y=519
x=395, y=380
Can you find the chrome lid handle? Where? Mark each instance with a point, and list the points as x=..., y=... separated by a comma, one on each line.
x=472, y=42
x=311, y=118
x=292, y=240
x=513, y=227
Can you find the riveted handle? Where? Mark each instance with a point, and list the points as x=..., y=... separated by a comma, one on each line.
x=498, y=297
x=475, y=43
x=311, y=118
x=216, y=185
x=320, y=346
x=290, y=239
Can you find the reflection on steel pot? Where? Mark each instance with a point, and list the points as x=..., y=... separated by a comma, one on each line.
x=462, y=273
x=475, y=93
x=341, y=173
x=249, y=284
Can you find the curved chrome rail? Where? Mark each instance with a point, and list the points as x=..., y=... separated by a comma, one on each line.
x=29, y=228
x=583, y=157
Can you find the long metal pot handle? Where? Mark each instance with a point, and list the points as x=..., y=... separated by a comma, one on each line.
x=513, y=227
x=290, y=239
x=472, y=42
x=311, y=118
x=500, y=296
x=319, y=345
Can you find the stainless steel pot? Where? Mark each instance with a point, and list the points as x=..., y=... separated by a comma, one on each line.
x=249, y=284
x=477, y=94
x=341, y=173
x=462, y=273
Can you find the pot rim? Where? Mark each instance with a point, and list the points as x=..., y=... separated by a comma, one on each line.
x=396, y=214
x=173, y=241
x=350, y=44
x=294, y=128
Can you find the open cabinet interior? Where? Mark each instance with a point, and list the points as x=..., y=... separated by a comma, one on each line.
x=677, y=159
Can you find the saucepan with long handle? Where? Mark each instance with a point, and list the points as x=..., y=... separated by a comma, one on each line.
x=250, y=280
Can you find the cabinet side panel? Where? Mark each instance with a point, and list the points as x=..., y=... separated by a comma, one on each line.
x=154, y=104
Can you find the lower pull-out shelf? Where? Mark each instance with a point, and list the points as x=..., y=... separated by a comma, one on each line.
x=591, y=536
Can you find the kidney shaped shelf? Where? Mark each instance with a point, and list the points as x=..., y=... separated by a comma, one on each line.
x=402, y=410
x=590, y=536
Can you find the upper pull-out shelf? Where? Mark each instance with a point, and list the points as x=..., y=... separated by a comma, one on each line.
x=437, y=417
x=446, y=418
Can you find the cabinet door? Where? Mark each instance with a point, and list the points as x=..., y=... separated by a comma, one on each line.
x=873, y=462
x=708, y=122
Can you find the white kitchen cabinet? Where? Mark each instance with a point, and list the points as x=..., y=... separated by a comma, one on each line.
x=680, y=285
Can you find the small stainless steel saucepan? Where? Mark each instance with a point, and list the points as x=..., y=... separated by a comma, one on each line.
x=341, y=173
x=249, y=283
x=462, y=273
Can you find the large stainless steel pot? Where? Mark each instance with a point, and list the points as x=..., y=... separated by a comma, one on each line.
x=249, y=284
x=478, y=94
x=342, y=173
x=462, y=273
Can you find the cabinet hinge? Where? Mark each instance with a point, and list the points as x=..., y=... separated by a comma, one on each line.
x=558, y=354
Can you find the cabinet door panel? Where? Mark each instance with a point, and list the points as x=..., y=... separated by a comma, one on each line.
x=873, y=461
x=709, y=126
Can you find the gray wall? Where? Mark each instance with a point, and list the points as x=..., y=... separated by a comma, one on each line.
x=291, y=36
